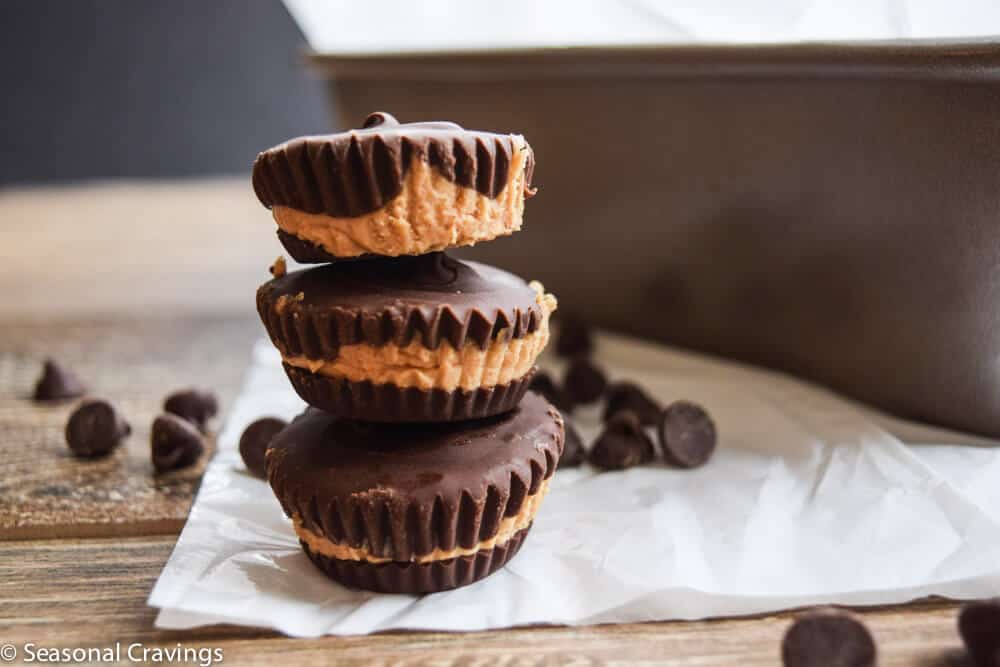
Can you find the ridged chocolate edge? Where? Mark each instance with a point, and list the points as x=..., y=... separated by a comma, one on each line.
x=350, y=174
x=394, y=528
x=368, y=401
x=300, y=331
x=416, y=578
x=307, y=252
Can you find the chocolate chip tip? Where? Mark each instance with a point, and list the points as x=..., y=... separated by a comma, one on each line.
x=57, y=382
x=622, y=444
x=95, y=429
x=584, y=382
x=575, y=338
x=194, y=404
x=629, y=395
x=175, y=443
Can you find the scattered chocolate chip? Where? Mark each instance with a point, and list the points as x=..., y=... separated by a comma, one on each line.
x=573, y=452
x=542, y=383
x=95, y=429
x=687, y=435
x=194, y=405
x=175, y=443
x=979, y=625
x=254, y=441
x=630, y=396
x=57, y=383
x=574, y=339
x=827, y=638
x=622, y=444
x=584, y=382
x=279, y=268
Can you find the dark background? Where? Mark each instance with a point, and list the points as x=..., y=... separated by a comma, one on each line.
x=139, y=89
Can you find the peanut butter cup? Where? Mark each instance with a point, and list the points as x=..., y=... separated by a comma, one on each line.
x=394, y=189
x=413, y=339
x=415, y=508
x=423, y=459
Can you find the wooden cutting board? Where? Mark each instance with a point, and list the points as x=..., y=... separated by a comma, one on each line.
x=45, y=492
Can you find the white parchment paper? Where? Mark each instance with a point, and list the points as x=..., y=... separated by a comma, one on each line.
x=809, y=499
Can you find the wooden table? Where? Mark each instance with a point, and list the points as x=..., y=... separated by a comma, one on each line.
x=147, y=288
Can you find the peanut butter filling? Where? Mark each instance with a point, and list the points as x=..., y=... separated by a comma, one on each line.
x=509, y=527
x=430, y=213
x=469, y=367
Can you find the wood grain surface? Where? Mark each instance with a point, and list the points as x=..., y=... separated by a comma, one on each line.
x=92, y=592
x=47, y=492
x=150, y=250
x=164, y=300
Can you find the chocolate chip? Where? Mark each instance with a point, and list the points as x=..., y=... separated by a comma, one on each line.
x=979, y=625
x=573, y=452
x=575, y=339
x=827, y=638
x=254, y=441
x=542, y=383
x=630, y=396
x=687, y=435
x=95, y=429
x=622, y=444
x=175, y=443
x=584, y=382
x=58, y=383
x=194, y=405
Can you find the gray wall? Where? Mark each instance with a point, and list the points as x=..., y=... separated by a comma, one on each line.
x=140, y=88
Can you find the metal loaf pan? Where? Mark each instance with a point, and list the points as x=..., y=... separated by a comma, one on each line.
x=828, y=210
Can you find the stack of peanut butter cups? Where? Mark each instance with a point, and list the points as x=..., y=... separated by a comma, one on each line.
x=423, y=458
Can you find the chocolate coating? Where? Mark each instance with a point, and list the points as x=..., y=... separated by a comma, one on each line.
x=979, y=626
x=307, y=252
x=416, y=578
x=372, y=402
x=255, y=440
x=828, y=638
x=195, y=405
x=57, y=383
x=174, y=443
x=687, y=435
x=355, y=172
x=623, y=444
x=95, y=429
x=403, y=490
x=429, y=298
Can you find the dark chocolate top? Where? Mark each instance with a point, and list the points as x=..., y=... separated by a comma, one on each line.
x=355, y=172
x=380, y=301
x=404, y=489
